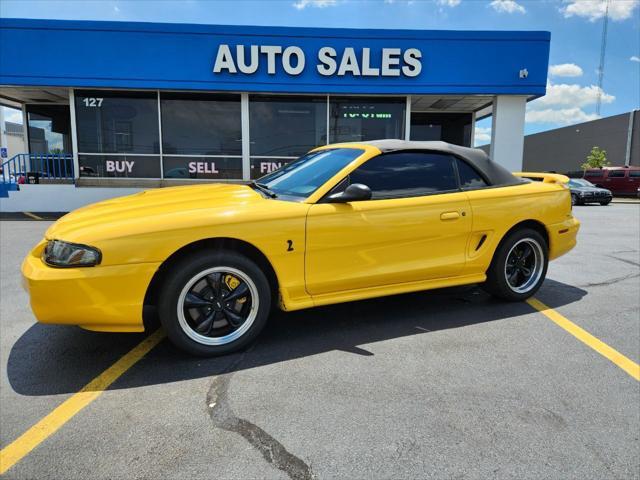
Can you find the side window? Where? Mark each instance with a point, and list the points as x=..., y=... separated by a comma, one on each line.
x=592, y=173
x=634, y=173
x=406, y=174
x=469, y=178
x=616, y=173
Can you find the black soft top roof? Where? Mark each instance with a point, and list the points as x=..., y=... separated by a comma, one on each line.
x=496, y=174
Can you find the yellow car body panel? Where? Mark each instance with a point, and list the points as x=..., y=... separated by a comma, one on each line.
x=544, y=177
x=321, y=253
x=104, y=299
x=385, y=242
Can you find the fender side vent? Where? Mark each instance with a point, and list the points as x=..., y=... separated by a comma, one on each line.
x=481, y=242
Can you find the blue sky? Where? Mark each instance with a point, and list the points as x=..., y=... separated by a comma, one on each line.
x=575, y=26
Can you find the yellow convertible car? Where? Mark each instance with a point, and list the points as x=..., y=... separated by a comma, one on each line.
x=343, y=222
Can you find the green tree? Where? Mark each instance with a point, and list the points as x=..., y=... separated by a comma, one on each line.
x=597, y=158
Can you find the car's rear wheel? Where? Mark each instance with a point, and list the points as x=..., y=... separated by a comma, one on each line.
x=519, y=266
x=214, y=302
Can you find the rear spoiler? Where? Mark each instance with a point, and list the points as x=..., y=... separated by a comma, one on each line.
x=544, y=177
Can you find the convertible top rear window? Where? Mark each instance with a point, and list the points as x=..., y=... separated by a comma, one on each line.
x=469, y=177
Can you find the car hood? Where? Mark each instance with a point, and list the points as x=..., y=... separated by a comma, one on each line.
x=156, y=209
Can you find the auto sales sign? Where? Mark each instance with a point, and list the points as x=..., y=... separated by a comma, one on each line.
x=385, y=62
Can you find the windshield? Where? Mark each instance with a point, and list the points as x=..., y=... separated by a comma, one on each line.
x=580, y=182
x=305, y=175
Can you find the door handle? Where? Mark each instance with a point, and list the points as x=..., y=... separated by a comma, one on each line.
x=449, y=216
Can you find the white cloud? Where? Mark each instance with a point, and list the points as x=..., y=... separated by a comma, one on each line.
x=565, y=70
x=563, y=116
x=594, y=9
x=635, y=58
x=12, y=115
x=573, y=95
x=507, y=6
x=564, y=103
x=482, y=135
x=301, y=4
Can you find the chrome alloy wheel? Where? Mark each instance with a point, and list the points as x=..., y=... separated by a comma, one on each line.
x=218, y=306
x=524, y=266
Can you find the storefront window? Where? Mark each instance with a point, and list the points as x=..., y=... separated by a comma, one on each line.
x=360, y=119
x=201, y=136
x=49, y=127
x=118, y=134
x=283, y=128
x=127, y=166
x=117, y=122
x=200, y=124
x=202, y=167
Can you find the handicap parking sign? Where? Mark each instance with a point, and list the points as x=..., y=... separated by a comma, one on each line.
x=3, y=152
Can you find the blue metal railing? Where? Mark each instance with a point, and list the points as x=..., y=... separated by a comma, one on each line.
x=51, y=166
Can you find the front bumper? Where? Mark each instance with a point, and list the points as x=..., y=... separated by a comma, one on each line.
x=102, y=298
x=562, y=237
x=595, y=198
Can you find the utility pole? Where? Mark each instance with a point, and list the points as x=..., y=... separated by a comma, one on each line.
x=603, y=50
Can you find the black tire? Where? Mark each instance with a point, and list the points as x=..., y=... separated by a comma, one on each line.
x=190, y=272
x=497, y=283
x=605, y=203
x=574, y=199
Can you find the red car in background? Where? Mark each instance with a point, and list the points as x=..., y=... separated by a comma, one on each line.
x=620, y=180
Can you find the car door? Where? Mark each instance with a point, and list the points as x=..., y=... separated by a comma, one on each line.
x=633, y=182
x=414, y=228
x=615, y=181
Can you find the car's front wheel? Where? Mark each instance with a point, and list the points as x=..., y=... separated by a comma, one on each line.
x=519, y=266
x=214, y=302
x=574, y=199
x=606, y=202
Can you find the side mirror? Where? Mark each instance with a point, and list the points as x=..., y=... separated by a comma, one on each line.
x=353, y=193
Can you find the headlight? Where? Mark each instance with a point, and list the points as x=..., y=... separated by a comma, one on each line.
x=63, y=254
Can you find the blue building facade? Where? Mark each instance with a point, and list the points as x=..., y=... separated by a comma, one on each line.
x=133, y=102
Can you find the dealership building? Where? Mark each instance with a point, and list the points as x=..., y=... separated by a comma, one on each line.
x=114, y=107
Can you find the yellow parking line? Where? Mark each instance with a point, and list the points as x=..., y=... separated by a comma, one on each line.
x=33, y=215
x=626, y=364
x=19, y=448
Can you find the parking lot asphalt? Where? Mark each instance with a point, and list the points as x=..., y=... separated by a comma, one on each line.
x=441, y=384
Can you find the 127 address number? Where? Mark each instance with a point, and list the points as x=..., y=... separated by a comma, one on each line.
x=92, y=102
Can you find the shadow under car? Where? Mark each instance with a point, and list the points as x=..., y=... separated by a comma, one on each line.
x=50, y=360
